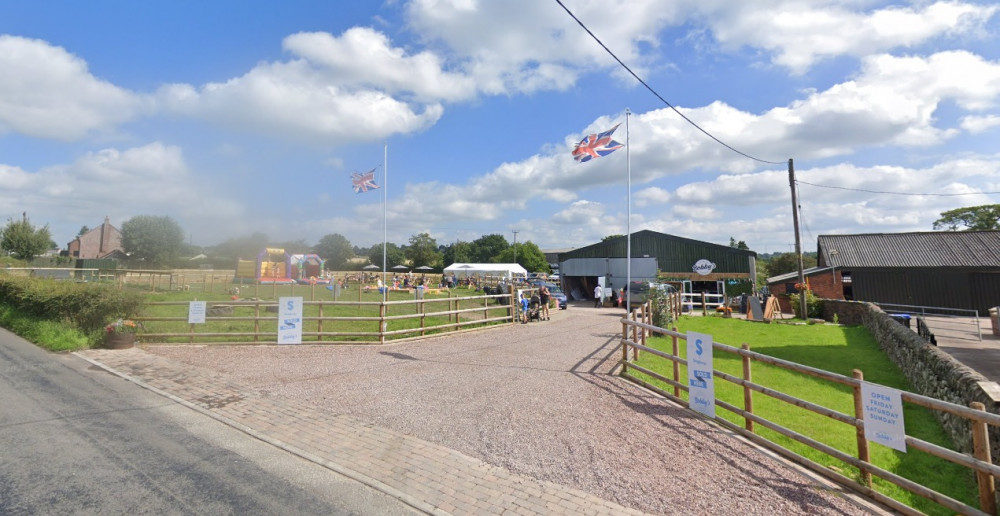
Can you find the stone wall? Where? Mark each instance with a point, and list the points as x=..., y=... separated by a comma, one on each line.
x=930, y=371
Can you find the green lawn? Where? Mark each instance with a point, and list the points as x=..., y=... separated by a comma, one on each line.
x=832, y=348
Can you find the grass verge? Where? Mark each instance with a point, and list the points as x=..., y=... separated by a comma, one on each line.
x=51, y=335
x=837, y=349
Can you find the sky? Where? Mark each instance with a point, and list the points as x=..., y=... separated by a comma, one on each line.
x=241, y=117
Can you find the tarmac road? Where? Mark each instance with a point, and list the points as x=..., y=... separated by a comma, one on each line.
x=75, y=439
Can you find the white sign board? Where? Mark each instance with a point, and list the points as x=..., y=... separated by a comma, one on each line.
x=883, y=413
x=703, y=267
x=290, y=320
x=196, y=312
x=701, y=387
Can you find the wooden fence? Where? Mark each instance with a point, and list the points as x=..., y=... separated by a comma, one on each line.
x=372, y=322
x=636, y=329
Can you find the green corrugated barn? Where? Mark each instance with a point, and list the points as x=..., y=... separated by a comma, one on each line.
x=699, y=266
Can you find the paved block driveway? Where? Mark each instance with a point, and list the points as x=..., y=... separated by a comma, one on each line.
x=524, y=419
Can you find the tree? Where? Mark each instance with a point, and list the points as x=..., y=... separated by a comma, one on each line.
x=487, y=246
x=610, y=237
x=528, y=255
x=246, y=247
x=393, y=255
x=739, y=245
x=974, y=218
x=423, y=251
x=23, y=241
x=788, y=262
x=336, y=250
x=83, y=231
x=459, y=252
x=155, y=239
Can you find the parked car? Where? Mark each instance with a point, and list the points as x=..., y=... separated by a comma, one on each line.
x=556, y=293
x=639, y=290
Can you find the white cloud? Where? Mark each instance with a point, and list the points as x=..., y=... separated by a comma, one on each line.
x=365, y=57
x=151, y=179
x=977, y=124
x=295, y=100
x=801, y=33
x=46, y=92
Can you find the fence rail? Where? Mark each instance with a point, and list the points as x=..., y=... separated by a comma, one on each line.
x=371, y=321
x=636, y=329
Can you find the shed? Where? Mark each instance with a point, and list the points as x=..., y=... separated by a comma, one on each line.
x=946, y=269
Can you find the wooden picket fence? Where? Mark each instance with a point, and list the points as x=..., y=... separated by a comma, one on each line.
x=637, y=328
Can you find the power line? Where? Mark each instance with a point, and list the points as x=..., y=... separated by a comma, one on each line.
x=651, y=90
x=896, y=193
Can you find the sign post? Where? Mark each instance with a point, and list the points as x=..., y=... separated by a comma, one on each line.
x=290, y=320
x=701, y=386
x=883, y=415
x=197, y=311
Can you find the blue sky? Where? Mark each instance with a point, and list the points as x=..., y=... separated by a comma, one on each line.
x=241, y=117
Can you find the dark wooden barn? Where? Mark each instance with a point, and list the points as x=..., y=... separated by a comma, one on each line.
x=950, y=269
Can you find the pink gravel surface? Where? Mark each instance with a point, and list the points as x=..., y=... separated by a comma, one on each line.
x=537, y=399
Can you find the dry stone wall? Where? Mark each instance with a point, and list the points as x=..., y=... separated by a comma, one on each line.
x=930, y=371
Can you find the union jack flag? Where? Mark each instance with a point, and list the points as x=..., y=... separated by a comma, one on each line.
x=364, y=182
x=596, y=145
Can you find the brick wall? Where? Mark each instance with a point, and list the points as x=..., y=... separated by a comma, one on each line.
x=825, y=285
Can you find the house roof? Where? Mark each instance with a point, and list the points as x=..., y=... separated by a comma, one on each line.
x=923, y=249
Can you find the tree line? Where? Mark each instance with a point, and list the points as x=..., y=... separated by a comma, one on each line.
x=158, y=241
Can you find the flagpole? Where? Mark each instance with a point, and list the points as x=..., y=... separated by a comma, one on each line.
x=385, y=233
x=628, y=223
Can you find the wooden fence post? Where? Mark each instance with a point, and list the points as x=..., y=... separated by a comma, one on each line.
x=859, y=413
x=381, y=323
x=256, y=320
x=677, y=367
x=624, y=347
x=981, y=450
x=319, y=323
x=747, y=391
x=704, y=304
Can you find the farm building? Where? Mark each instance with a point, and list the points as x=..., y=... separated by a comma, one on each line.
x=946, y=269
x=698, y=266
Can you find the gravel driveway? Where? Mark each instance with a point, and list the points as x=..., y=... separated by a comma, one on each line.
x=539, y=400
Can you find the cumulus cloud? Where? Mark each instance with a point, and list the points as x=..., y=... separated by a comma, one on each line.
x=800, y=33
x=150, y=179
x=977, y=124
x=47, y=92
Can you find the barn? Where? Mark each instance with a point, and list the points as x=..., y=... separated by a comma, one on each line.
x=945, y=269
x=697, y=266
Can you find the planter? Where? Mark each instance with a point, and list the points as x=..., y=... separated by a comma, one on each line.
x=119, y=340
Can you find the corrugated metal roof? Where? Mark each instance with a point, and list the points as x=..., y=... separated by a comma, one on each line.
x=673, y=253
x=926, y=249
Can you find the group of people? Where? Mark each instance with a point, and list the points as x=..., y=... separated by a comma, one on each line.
x=538, y=301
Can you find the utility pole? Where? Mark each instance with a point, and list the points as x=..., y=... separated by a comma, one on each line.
x=798, y=239
x=515, y=243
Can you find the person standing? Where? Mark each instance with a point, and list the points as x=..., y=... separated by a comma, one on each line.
x=598, y=295
x=543, y=294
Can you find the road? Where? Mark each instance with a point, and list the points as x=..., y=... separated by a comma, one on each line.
x=75, y=439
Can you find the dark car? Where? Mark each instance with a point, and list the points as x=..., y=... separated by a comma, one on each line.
x=639, y=290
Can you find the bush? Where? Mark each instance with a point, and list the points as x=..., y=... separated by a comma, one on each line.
x=662, y=316
x=86, y=306
x=814, y=305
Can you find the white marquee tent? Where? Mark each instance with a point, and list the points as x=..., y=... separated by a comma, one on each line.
x=507, y=270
